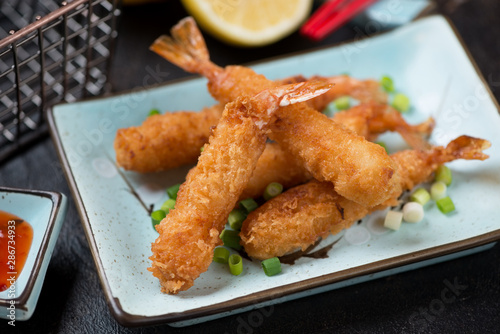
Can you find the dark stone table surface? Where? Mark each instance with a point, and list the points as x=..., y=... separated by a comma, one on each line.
x=72, y=300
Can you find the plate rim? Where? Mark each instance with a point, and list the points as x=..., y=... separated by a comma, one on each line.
x=134, y=320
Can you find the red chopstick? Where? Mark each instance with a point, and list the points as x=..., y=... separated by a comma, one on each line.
x=331, y=15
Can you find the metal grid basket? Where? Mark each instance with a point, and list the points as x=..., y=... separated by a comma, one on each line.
x=50, y=52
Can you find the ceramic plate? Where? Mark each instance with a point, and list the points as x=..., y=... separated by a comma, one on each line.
x=426, y=61
x=45, y=212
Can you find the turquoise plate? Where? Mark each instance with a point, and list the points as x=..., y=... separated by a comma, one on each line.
x=45, y=212
x=427, y=62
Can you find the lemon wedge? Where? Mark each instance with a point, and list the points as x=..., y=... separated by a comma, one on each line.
x=249, y=23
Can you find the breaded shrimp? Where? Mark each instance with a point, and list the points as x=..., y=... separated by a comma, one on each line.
x=372, y=119
x=360, y=170
x=298, y=217
x=189, y=233
x=368, y=120
x=165, y=141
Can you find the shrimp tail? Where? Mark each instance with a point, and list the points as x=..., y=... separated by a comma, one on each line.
x=284, y=95
x=425, y=128
x=463, y=147
x=416, y=135
x=186, y=48
x=300, y=92
x=467, y=148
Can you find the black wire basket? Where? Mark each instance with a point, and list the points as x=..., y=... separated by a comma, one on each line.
x=50, y=52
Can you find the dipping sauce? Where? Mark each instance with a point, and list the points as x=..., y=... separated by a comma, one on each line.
x=16, y=236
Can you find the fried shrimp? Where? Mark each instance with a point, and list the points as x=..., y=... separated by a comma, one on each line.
x=360, y=170
x=298, y=217
x=368, y=120
x=189, y=233
x=165, y=141
x=372, y=119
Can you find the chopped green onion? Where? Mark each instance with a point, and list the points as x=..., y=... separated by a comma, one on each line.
x=202, y=148
x=438, y=190
x=249, y=204
x=168, y=205
x=154, y=112
x=342, y=103
x=173, y=190
x=421, y=196
x=443, y=174
x=387, y=84
x=329, y=109
x=273, y=189
x=221, y=255
x=401, y=102
x=271, y=266
x=381, y=143
x=231, y=239
x=445, y=205
x=156, y=217
x=393, y=220
x=413, y=212
x=235, y=264
x=236, y=218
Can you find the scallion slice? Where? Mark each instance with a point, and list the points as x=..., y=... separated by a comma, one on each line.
x=168, y=205
x=413, y=212
x=401, y=102
x=273, y=189
x=154, y=112
x=393, y=220
x=445, y=205
x=330, y=109
x=231, y=239
x=249, y=204
x=443, y=174
x=221, y=255
x=421, y=196
x=156, y=217
x=343, y=103
x=387, y=84
x=438, y=190
x=173, y=190
x=271, y=266
x=236, y=218
x=235, y=264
